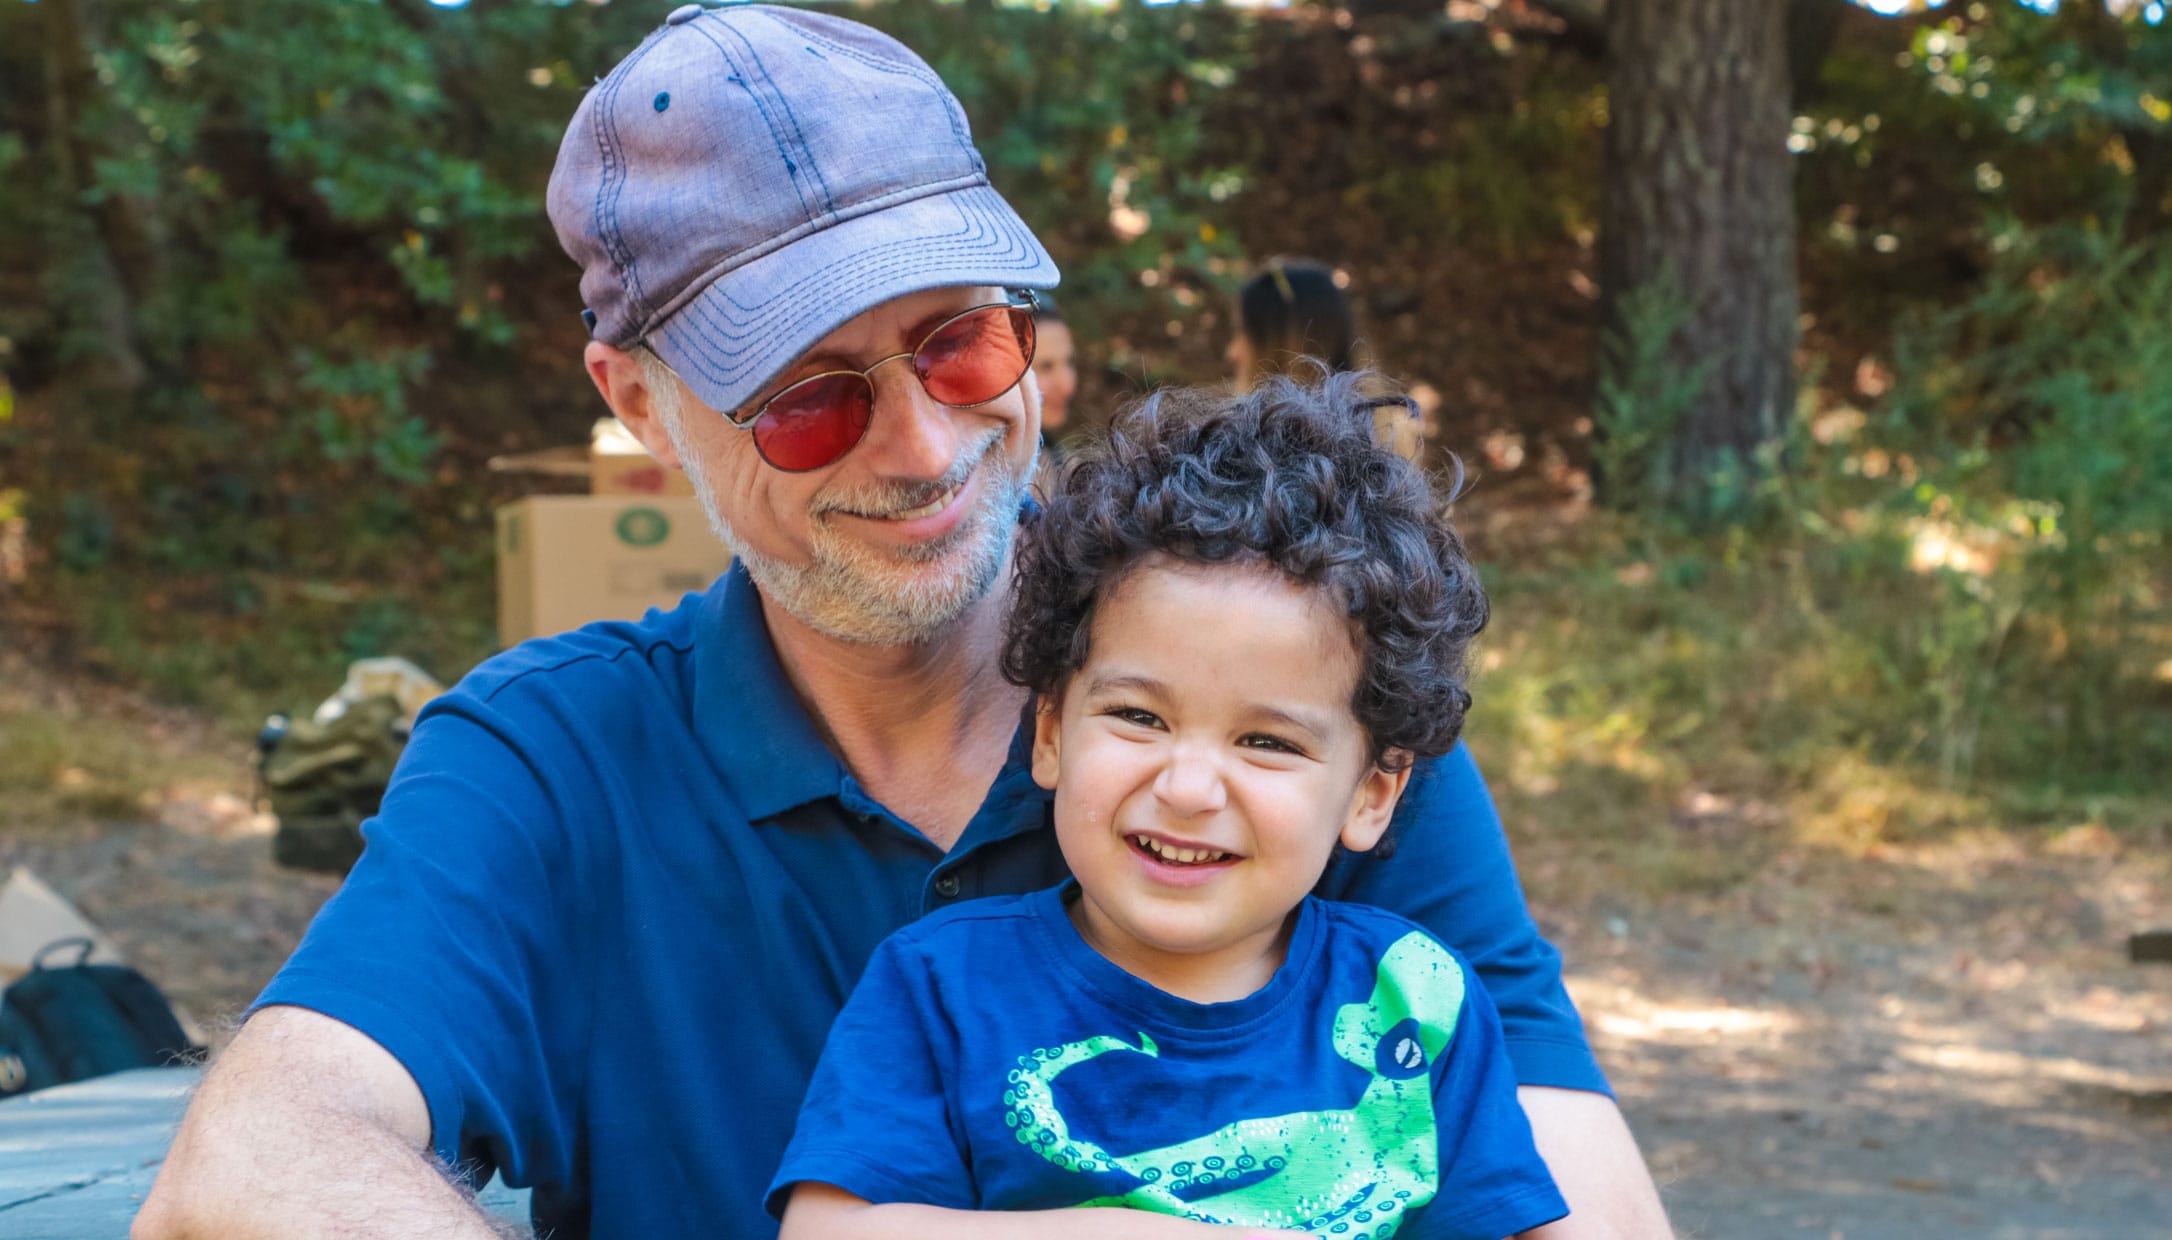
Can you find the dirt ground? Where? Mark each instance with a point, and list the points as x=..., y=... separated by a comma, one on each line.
x=1938, y=1041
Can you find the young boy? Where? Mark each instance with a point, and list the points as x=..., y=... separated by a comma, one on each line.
x=1242, y=621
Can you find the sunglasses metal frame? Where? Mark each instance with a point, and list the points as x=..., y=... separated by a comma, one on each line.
x=1015, y=299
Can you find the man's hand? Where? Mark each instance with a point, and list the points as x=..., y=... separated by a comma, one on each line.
x=303, y=1128
x=1595, y=1163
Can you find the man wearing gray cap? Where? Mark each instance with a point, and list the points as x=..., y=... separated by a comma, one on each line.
x=625, y=877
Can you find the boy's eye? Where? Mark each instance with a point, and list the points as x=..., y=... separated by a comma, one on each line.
x=1132, y=714
x=1273, y=744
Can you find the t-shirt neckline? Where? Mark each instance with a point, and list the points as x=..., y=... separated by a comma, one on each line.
x=1158, y=1008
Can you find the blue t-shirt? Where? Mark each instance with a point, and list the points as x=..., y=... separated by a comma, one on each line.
x=620, y=888
x=992, y=1060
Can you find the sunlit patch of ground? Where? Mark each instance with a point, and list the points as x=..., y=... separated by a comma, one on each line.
x=1940, y=1039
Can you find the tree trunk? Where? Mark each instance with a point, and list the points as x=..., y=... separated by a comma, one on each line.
x=1697, y=244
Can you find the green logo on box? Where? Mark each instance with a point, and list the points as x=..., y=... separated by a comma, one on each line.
x=643, y=527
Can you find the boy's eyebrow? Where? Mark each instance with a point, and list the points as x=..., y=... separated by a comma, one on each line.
x=1303, y=721
x=1104, y=682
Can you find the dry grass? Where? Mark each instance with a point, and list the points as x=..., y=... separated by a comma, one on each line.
x=68, y=755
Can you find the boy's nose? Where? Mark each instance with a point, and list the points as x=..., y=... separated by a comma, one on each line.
x=1190, y=784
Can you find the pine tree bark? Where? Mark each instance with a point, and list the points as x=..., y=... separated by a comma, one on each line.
x=1700, y=200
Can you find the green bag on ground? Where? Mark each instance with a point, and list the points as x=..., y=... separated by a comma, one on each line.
x=324, y=779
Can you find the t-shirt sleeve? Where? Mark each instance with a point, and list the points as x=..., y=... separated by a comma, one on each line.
x=453, y=943
x=1450, y=871
x=879, y=1120
x=1492, y=1181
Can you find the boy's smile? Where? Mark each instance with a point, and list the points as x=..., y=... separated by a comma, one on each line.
x=1205, y=762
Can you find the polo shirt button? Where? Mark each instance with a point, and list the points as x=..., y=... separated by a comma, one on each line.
x=948, y=886
x=684, y=14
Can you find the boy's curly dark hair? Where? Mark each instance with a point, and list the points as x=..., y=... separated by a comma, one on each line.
x=1286, y=475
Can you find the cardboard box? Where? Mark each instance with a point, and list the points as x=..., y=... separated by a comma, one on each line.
x=564, y=560
x=612, y=462
x=619, y=465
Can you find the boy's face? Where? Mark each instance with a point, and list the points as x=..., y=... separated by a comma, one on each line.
x=1205, y=762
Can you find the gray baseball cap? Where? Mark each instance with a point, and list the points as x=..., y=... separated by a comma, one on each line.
x=751, y=177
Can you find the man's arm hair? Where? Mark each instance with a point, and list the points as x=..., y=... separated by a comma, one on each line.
x=306, y=1127
x=1593, y=1156
x=826, y=1212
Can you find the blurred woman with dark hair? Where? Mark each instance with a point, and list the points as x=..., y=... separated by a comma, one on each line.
x=1056, y=368
x=1294, y=310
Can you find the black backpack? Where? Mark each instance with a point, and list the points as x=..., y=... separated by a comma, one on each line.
x=68, y=1023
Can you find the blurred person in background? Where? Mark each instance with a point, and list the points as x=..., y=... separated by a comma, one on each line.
x=1056, y=369
x=1295, y=310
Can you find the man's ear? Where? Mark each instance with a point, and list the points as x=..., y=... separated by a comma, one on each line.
x=1047, y=740
x=1372, y=805
x=624, y=385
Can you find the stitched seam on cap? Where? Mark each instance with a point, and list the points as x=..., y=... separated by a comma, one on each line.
x=746, y=81
x=815, y=291
x=869, y=266
x=712, y=330
x=624, y=260
x=829, y=200
x=919, y=72
x=732, y=262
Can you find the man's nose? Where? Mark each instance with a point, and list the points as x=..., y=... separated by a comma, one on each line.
x=1190, y=782
x=913, y=435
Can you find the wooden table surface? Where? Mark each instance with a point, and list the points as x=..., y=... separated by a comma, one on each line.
x=76, y=1160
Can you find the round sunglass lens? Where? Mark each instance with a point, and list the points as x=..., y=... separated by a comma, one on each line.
x=976, y=357
x=813, y=422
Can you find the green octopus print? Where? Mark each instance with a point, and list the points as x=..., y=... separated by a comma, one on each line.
x=1351, y=1173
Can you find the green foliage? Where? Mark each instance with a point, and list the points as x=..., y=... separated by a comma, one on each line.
x=2034, y=420
x=1645, y=395
x=2049, y=393
x=1510, y=184
x=1092, y=119
x=280, y=280
x=1927, y=138
x=1963, y=589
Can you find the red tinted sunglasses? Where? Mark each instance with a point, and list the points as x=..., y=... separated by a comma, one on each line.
x=968, y=359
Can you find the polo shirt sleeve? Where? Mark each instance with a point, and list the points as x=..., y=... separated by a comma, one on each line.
x=879, y=1120
x=1492, y=1181
x=1449, y=870
x=454, y=943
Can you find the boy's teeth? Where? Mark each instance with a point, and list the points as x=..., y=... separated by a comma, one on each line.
x=1182, y=856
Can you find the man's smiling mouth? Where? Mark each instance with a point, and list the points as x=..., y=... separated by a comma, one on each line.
x=928, y=509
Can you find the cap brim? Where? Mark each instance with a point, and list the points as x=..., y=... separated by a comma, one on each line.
x=730, y=339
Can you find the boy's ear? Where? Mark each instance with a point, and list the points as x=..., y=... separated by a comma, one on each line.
x=1372, y=806
x=1047, y=740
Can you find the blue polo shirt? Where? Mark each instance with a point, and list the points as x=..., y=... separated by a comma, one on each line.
x=619, y=889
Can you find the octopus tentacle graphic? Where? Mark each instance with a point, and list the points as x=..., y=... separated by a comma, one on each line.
x=1353, y=1172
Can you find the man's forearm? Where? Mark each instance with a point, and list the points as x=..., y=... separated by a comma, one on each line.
x=295, y=1173
x=1594, y=1160
x=305, y=1127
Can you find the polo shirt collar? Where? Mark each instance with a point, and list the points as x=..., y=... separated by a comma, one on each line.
x=746, y=713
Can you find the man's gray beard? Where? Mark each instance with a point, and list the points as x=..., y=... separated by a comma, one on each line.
x=867, y=594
